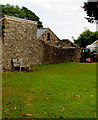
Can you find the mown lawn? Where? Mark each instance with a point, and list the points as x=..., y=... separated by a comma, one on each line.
x=51, y=91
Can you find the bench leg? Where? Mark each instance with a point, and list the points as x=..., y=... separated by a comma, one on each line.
x=20, y=68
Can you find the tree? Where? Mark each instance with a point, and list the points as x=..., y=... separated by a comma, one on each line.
x=86, y=38
x=91, y=9
x=23, y=12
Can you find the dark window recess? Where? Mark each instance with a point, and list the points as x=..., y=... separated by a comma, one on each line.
x=48, y=36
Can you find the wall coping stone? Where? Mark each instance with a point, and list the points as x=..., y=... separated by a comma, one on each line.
x=18, y=19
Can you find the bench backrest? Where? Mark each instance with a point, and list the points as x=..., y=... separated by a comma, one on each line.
x=17, y=62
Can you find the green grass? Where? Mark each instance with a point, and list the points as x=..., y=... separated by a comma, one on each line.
x=52, y=91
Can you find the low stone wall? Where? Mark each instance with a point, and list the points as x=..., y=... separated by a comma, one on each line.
x=53, y=55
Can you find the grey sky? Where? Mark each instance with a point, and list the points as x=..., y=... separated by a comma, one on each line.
x=64, y=17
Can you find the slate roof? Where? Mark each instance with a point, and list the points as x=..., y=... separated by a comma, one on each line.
x=40, y=31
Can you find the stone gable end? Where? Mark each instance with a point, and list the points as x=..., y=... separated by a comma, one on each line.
x=49, y=37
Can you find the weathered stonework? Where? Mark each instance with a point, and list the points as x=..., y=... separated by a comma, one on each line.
x=19, y=41
x=0, y=54
x=52, y=40
x=55, y=54
x=66, y=43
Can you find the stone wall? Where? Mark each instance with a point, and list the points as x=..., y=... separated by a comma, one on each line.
x=0, y=54
x=20, y=41
x=66, y=43
x=53, y=54
x=17, y=41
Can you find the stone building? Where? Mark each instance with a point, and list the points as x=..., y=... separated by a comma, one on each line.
x=23, y=43
x=17, y=41
x=48, y=36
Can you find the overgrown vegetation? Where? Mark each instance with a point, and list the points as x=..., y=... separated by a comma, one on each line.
x=52, y=91
x=86, y=38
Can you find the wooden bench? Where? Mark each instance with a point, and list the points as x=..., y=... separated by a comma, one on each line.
x=19, y=63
